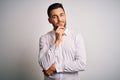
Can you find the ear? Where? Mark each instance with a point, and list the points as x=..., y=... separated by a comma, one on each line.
x=50, y=21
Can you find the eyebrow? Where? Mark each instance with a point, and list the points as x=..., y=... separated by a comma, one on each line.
x=53, y=15
x=56, y=15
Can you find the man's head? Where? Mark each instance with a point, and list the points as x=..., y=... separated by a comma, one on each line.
x=57, y=15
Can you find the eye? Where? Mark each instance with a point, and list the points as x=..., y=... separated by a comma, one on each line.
x=62, y=14
x=54, y=17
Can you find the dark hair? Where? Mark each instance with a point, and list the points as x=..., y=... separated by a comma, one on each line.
x=54, y=6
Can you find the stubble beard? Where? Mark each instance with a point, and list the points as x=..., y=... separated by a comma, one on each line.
x=55, y=27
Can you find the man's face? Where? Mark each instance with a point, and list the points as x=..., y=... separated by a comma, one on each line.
x=58, y=18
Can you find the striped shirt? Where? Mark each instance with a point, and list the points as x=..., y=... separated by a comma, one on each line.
x=69, y=58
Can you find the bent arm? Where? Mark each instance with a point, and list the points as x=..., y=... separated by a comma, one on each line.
x=79, y=63
x=46, y=55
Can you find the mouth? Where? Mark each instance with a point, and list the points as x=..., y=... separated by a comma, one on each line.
x=61, y=24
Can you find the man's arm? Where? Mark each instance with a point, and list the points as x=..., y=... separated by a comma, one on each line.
x=59, y=33
x=50, y=71
x=46, y=54
x=79, y=63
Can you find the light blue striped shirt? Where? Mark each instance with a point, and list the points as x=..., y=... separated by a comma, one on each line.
x=69, y=58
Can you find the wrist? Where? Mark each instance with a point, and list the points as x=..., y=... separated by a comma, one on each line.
x=57, y=42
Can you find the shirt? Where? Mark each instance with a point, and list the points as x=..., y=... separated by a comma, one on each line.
x=69, y=57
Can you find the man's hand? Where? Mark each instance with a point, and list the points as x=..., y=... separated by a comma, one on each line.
x=50, y=71
x=59, y=33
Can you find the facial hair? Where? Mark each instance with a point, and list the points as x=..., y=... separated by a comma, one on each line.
x=55, y=27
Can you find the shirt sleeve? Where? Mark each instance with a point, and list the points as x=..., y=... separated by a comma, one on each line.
x=46, y=55
x=79, y=63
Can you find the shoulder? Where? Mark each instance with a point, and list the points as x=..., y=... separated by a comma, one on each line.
x=46, y=36
x=74, y=33
x=76, y=36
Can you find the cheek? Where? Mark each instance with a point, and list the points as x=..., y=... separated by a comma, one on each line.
x=55, y=21
x=65, y=18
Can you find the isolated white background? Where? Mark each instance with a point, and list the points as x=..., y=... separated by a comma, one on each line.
x=22, y=22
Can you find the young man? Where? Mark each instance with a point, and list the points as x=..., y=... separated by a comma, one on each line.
x=62, y=52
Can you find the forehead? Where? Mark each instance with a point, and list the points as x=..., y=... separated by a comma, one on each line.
x=56, y=11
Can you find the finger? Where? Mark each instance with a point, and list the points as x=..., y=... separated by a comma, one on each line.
x=55, y=28
x=58, y=27
x=61, y=27
x=48, y=72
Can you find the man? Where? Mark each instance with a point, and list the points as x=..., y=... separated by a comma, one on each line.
x=62, y=52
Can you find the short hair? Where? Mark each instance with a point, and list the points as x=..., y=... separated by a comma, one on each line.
x=54, y=6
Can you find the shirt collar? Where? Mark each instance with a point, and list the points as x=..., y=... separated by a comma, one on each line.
x=66, y=31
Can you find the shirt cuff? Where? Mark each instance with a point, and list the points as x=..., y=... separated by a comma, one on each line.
x=59, y=68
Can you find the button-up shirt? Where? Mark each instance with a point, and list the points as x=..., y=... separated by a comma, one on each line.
x=69, y=57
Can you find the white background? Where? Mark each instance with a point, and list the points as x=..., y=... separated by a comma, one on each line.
x=22, y=22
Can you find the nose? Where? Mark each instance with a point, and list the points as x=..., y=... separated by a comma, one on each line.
x=59, y=18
